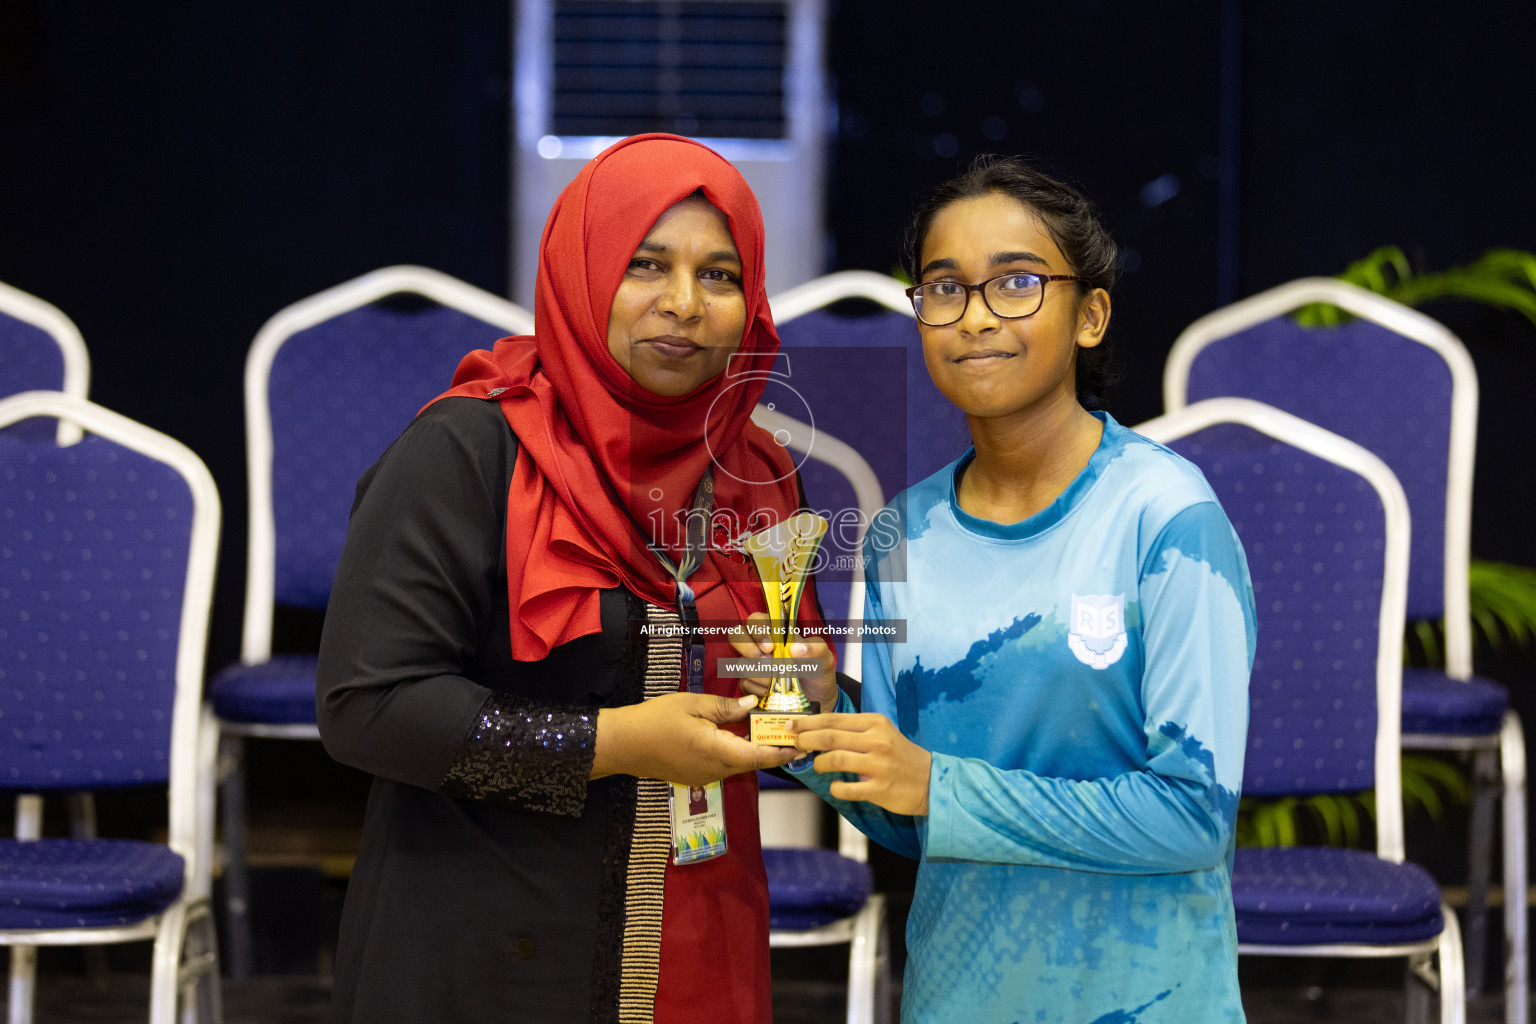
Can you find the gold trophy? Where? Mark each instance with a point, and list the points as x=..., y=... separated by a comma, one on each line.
x=783, y=555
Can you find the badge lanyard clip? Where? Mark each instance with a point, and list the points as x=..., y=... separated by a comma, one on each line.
x=696, y=527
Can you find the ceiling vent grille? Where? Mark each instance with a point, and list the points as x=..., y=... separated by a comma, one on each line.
x=704, y=68
x=745, y=77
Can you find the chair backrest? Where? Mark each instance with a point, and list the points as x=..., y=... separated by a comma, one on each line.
x=41, y=350
x=107, y=554
x=1324, y=525
x=330, y=382
x=1391, y=380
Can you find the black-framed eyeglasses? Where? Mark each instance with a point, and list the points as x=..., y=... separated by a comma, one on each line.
x=1009, y=296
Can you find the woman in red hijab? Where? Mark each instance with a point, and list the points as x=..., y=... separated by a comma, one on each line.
x=501, y=649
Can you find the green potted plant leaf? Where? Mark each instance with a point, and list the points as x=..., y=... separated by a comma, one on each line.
x=1505, y=278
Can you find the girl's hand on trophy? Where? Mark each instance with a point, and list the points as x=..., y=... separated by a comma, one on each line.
x=892, y=771
x=820, y=688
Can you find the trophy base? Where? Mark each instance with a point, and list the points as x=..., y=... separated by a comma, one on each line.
x=771, y=728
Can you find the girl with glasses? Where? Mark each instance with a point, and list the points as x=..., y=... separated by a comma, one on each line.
x=1059, y=739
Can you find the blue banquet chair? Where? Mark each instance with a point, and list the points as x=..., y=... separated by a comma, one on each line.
x=1324, y=525
x=330, y=382
x=107, y=556
x=1403, y=386
x=41, y=350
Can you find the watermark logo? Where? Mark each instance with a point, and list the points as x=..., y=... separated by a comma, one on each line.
x=848, y=530
x=781, y=410
x=839, y=412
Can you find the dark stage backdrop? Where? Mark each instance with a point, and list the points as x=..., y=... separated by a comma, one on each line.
x=1405, y=124
x=1357, y=126
x=172, y=174
x=1121, y=98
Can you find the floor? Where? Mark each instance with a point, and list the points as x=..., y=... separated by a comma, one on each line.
x=297, y=908
x=300, y=914
x=275, y=999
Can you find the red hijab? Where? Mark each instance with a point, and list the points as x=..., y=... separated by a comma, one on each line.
x=590, y=437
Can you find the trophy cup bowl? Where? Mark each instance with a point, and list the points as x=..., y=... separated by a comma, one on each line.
x=783, y=556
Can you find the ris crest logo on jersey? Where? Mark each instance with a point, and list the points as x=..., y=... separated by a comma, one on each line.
x=1097, y=632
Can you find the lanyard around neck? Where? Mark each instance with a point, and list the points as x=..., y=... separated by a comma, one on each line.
x=695, y=535
x=695, y=530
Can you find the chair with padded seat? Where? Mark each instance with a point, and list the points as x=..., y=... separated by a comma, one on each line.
x=330, y=382
x=1324, y=525
x=107, y=557
x=1403, y=386
x=41, y=350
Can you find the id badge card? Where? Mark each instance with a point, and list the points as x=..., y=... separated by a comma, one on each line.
x=698, y=822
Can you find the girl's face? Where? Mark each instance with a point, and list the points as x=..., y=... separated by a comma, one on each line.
x=984, y=364
x=680, y=310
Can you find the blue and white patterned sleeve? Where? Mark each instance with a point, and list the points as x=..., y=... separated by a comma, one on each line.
x=1176, y=813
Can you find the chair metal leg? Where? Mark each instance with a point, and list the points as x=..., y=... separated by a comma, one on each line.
x=29, y=816
x=1485, y=791
x=237, y=883
x=1516, y=958
x=185, y=956
x=23, y=984
x=210, y=992
x=201, y=986
x=82, y=826
x=1452, y=978
x=165, y=961
x=884, y=1004
x=82, y=814
x=863, y=961
x=1415, y=997
x=29, y=825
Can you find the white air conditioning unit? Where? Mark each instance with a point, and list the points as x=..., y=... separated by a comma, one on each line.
x=745, y=77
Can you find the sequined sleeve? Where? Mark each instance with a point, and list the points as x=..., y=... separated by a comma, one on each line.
x=527, y=755
x=417, y=616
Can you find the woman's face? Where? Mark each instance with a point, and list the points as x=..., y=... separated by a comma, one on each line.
x=984, y=364
x=680, y=311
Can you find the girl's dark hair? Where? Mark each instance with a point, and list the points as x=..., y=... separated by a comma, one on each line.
x=1073, y=224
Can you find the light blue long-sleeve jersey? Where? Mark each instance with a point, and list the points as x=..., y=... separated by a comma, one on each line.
x=1081, y=679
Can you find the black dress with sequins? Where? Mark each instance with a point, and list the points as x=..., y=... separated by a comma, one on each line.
x=490, y=880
